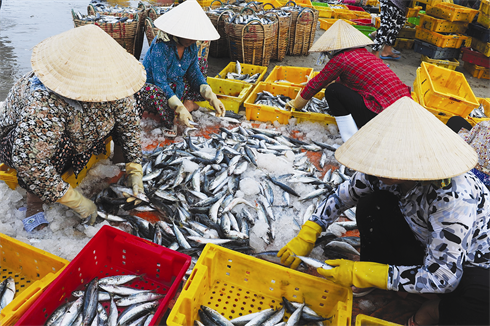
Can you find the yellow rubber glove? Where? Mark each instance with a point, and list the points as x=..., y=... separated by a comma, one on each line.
x=184, y=115
x=207, y=93
x=361, y=274
x=298, y=103
x=134, y=171
x=301, y=245
x=83, y=206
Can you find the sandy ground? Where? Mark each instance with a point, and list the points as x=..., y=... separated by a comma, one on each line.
x=405, y=68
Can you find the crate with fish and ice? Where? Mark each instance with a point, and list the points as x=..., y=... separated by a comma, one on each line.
x=267, y=102
x=443, y=89
x=244, y=73
x=133, y=278
x=316, y=110
x=235, y=285
x=482, y=113
x=231, y=93
x=26, y=272
x=289, y=76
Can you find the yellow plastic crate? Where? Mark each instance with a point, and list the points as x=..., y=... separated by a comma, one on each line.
x=344, y=14
x=246, y=69
x=476, y=71
x=452, y=12
x=236, y=284
x=324, y=12
x=486, y=107
x=407, y=32
x=443, y=89
x=485, y=7
x=289, y=76
x=32, y=269
x=231, y=93
x=364, y=320
x=482, y=47
x=448, y=64
x=338, y=6
x=9, y=175
x=325, y=23
x=312, y=116
x=430, y=2
x=404, y=43
x=372, y=3
x=413, y=12
x=440, y=40
x=484, y=19
x=261, y=112
x=301, y=3
x=440, y=25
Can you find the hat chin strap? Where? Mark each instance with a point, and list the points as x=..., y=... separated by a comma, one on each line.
x=347, y=126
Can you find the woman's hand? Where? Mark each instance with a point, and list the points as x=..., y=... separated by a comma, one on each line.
x=208, y=94
x=180, y=109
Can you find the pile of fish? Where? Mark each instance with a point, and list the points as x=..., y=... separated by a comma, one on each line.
x=114, y=9
x=192, y=186
x=86, y=308
x=7, y=292
x=479, y=112
x=106, y=19
x=161, y=10
x=279, y=101
x=301, y=314
x=237, y=75
x=253, y=18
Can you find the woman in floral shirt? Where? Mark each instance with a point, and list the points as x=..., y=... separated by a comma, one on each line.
x=174, y=77
x=423, y=219
x=60, y=114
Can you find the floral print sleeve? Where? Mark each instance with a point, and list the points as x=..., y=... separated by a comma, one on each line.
x=479, y=138
x=128, y=129
x=38, y=133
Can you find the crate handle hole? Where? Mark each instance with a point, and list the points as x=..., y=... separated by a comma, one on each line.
x=227, y=274
x=295, y=296
x=273, y=281
x=229, y=266
x=272, y=289
x=246, y=279
x=321, y=304
x=124, y=263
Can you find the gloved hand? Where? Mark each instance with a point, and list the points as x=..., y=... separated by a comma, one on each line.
x=298, y=103
x=361, y=274
x=83, y=206
x=208, y=94
x=301, y=245
x=134, y=171
x=184, y=115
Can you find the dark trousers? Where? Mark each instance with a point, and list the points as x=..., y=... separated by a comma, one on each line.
x=386, y=238
x=457, y=122
x=344, y=101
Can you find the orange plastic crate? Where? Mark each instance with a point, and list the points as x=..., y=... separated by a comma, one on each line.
x=440, y=40
x=485, y=7
x=477, y=71
x=325, y=23
x=484, y=19
x=482, y=47
x=413, y=12
x=441, y=25
x=452, y=12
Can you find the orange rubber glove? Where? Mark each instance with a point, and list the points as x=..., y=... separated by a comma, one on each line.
x=361, y=274
x=134, y=171
x=83, y=206
x=301, y=245
x=298, y=103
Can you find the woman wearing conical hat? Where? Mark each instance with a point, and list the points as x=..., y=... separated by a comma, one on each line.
x=79, y=93
x=423, y=217
x=174, y=80
x=364, y=85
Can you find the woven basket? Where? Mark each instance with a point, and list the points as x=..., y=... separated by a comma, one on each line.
x=251, y=43
x=219, y=48
x=142, y=13
x=281, y=42
x=124, y=33
x=302, y=31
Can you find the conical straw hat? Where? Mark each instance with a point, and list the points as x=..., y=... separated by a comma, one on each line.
x=189, y=21
x=87, y=64
x=340, y=36
x=407, y=142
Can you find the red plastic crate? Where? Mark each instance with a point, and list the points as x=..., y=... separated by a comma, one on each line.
x=113, y=252
x=363, y=22
x=475, y=57
x=354, y=8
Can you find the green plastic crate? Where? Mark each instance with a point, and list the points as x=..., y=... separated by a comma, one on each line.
x=366, y=30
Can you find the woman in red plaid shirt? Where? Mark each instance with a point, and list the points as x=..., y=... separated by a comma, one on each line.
x=364, y=85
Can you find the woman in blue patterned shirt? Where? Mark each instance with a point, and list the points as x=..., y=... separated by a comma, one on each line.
x=174, y=79
x=423, y=216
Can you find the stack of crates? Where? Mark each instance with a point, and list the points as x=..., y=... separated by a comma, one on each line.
x=476, y=61
x=440, y=32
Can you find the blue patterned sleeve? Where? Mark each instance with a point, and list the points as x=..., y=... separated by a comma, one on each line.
x=194, y=74
x=346, y=196
x=156, y=62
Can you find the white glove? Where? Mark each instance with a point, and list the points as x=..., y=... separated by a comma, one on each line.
x=208, y=94
x=184, y=115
